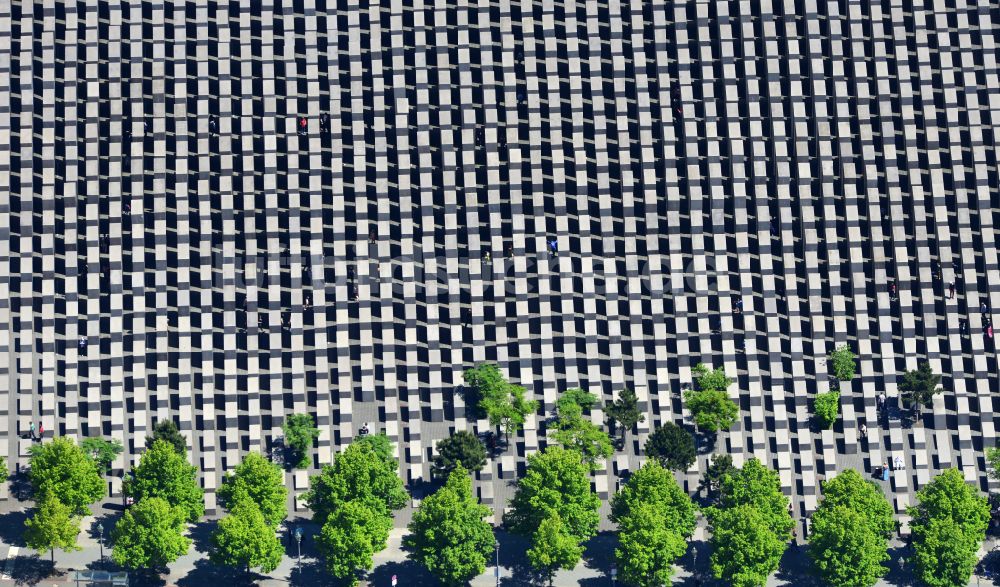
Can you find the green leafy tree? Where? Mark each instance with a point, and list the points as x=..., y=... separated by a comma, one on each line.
x=150, y=534
x=575, y=432
x=625, y=411
x=350, y=538
x=359, y=473
x=949, y=524
x=102, y=451
x=62, y=468
x=845, y=547
x=746, y=549
x=647, y=549
x=165, y=473
x=52, y=526
x=944, y=553
x=166, y=430
x=711, y=379
x=576, y=396
x=851, y=490
x=556, y=482
x=380, y=445
x=484, y=380
x=655, y=517
x=712, y=410
x=300, y=432
x=4, y=471
x=992, y=460
x=553, y=547
x=920, y=386
x=244, y=539
x=262, y=483
x=449, y=535
x=673, y=446
x=502, y=402
x=759, y=487
x=843, y=363
x=463, y=448
x=652, y=485
x=827, y=408
x=718, y=468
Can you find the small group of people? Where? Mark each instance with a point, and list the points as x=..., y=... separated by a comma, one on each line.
x=41, y=431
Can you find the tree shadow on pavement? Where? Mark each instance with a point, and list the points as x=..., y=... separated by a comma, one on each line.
x=30, y=570
x=108, y=520
x=796, y=568
x=20, y=486
x=311, y=572
x=599, y=553
x=206, y=573
x=514, y=560
x=896, y=575
x=409, y=573
x=201, y=536
x=12, y=528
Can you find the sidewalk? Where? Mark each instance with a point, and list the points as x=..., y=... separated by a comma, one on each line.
x=22, y=566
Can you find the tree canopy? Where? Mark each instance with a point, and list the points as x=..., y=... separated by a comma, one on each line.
x=351, y=536
x=719, y=466
x=260, y=482
x=359, y=473
x=62, y=468
x=842, y=360
x=576, y=396
x=827, y=408
x=244, y=539
x=673, y=446
x=846, y=550
x=449, y=534
x=4, y=472
x=711, y=410
x=625, y=411
x=851, y=490
x=52, y=526
x=461, y=447
x=992, y=461
x=655, y=486
x=655, y=517
x=948, y=525
x=503, y=403
x=166, y=430
x=102, y=451
x=300, y=432
x=557, y=481
x=150, y=534
x=709, y=379
x=553, y=547
x=575, y=432
x=647, y=549
x=850, y=531
x=920, y=386
x=747, y=550
x=750, y=526
x=165, y=473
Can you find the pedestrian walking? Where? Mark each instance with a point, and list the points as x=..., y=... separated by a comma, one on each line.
x=553, y=247
x=41, y=431
x=32, y=430
x=951, y=290
x=983, y=308
x=83, y=342
x=963, y=327
x=864, y=432
x=892, y=289
x=989, y=331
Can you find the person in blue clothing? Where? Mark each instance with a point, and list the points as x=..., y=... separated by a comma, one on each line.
x=552, y=247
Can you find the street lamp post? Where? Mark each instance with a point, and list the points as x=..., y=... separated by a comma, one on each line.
x=100, y=541
x=496, y=545
x=298, y=539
